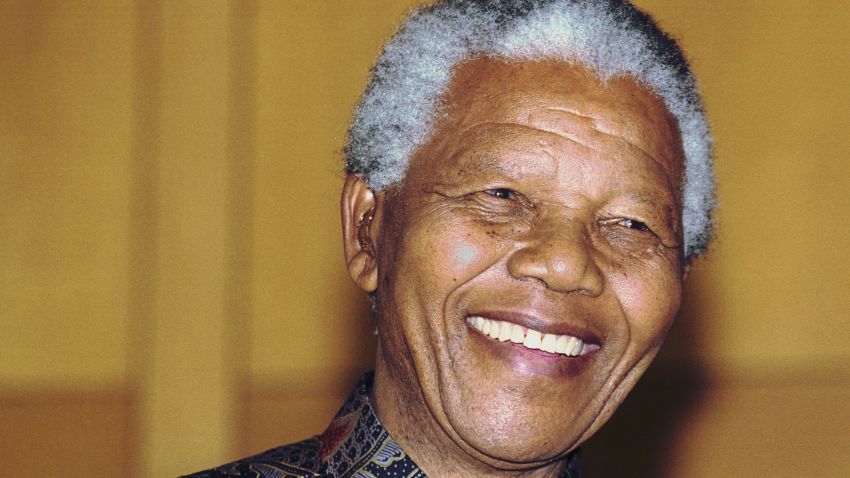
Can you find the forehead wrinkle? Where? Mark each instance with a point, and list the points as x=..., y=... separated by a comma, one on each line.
x=561, y=109
x=547, y=150
x=596, y=125
x=534, y=128
x=541, y=152
x=578, y=141
x=662, y=164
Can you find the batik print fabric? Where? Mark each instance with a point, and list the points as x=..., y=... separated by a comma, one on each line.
x=355, y=445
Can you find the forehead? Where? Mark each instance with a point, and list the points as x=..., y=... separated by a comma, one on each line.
x=565, y=100
x=485, y=87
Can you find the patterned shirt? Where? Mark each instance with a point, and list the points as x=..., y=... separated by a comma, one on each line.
x=355, y=445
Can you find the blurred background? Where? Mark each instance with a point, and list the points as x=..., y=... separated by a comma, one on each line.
x=172, y=289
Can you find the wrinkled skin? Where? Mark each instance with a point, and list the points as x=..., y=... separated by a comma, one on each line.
x=544, y=198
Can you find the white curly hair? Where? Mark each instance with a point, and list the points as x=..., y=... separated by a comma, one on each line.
x=398, y=109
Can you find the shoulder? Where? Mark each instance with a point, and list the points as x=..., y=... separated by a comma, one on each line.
x=298, y=460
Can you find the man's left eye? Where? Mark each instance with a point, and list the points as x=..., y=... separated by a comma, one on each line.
x=632, y=224
x=501, y=193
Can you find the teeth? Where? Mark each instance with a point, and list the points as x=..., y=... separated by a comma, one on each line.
x=562, y=343
x=548, y=343
x=494, y=330
x=517, y=334
x=577, y=346
x=571, y=346
x=504, y=330
x=529, y=338
x=532, y=339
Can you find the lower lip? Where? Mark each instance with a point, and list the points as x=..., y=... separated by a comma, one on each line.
x=534, y=362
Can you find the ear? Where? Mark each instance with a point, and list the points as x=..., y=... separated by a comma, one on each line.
x=360, y=226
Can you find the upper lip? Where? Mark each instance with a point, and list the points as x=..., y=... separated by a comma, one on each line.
x=542, y=323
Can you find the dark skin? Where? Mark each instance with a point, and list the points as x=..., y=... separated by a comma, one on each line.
x=546, y=200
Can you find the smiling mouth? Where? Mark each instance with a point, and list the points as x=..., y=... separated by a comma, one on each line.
x=567, y=345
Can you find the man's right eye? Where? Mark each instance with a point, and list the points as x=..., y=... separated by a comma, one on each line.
x=501, y=193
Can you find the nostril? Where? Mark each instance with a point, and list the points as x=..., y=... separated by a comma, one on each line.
x=562, y=260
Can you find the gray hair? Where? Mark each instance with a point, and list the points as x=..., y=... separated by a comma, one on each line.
x=613, y=38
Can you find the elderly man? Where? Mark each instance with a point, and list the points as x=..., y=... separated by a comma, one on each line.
x=528, y=180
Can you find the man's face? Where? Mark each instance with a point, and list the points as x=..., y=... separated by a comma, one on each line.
x=546, y=204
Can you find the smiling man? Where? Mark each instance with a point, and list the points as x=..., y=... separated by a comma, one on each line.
x=528, y=181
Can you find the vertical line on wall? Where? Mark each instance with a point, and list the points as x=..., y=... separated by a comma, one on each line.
x=144, y=210
x=185, y=394
x=242, y=150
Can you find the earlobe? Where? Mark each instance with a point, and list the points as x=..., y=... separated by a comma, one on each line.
x=359, y=207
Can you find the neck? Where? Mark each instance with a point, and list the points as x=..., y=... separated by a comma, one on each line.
x=403, y=412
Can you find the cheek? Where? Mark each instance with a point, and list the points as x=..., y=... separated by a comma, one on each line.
x=454, y=251
x=650, y=298
x=464, y=255
x=459, y=259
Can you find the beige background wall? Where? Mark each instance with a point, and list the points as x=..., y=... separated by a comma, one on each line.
x=172, y=291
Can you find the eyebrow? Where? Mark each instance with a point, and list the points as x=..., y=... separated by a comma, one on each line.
x=641, y=198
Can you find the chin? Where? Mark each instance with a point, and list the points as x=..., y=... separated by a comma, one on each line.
x=515, y=428
x=510, y=415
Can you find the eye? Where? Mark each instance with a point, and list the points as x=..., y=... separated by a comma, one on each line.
x=633, y=224
x=501, y=193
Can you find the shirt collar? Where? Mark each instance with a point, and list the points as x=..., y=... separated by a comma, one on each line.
x=356, y=444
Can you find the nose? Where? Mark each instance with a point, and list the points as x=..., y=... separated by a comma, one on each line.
x=561, y=256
